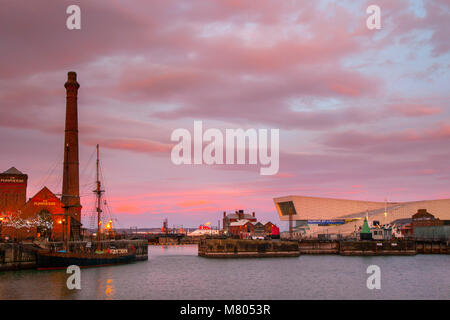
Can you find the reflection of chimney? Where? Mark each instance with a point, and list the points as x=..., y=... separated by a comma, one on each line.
x=71, y=188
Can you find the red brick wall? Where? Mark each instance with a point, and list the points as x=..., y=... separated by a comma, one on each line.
x=13, y=192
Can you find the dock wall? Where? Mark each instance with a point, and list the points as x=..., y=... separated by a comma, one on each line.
x=230, y=248
x=372, y=248
x=258, y=248
x=318, y=247
x=433, y=247
x=15, y=256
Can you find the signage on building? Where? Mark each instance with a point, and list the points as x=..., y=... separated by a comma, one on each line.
x=11, y=180
x=326, y=222
x=44, y=203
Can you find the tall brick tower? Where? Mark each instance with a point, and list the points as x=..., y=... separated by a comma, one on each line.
x=71, y=185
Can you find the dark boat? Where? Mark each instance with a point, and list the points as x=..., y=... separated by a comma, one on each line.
x=47, y=260
x=61, y=260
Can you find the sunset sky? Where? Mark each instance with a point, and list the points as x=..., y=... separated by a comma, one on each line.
x=363, y=114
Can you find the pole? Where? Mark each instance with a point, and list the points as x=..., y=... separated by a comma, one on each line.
x=67, y=232
x=99, y=194
x=290, y=224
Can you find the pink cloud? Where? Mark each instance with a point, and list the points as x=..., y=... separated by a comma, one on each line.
x=133, y=145
x=415, y=110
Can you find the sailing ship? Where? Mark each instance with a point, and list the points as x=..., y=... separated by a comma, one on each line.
x=88, y=258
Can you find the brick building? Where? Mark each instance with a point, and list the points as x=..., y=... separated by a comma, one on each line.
x=424, y=219
x=42, y=216
x=236, y=216
x=13, y=190
x=243, y=229
x=271, y=229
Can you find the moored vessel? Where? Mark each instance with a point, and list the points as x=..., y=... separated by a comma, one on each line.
x=90, y=257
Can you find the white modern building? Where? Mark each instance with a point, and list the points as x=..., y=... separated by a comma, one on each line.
x=314, y=215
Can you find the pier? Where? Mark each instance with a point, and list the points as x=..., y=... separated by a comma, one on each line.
x=268, y=248
x=230, y=248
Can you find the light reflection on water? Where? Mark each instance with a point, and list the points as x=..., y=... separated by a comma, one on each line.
x=176, y=272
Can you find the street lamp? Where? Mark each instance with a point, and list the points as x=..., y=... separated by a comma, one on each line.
x=1, y=222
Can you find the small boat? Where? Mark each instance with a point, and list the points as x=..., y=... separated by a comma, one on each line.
x=47, y=260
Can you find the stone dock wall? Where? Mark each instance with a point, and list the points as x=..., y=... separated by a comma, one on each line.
x=259, y=248
x=231, y=248
x=373, y=248
x=15, y=256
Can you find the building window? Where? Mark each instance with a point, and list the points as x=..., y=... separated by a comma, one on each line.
x=287, y=208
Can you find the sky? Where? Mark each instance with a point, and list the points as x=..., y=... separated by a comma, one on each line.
x=363, y=114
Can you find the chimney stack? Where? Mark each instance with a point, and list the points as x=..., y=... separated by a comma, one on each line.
x=71, y=186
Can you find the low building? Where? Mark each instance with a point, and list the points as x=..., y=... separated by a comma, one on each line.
x=243, y=229
x=424, y=225
x=381, y=233
x=424, y=219
x=42, y=217
x=258, y=229
x=236, y=216
x=271, y=230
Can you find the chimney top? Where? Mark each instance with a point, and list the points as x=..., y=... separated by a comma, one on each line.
x=72, y=75
x=72, y=80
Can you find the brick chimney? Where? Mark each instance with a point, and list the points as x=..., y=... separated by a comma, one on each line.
x=71, y=186
x=253, y=214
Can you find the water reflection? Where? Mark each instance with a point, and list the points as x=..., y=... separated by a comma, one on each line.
x=177, y=273
x=110, y=290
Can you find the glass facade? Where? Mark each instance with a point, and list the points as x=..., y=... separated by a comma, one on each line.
x=287, y=208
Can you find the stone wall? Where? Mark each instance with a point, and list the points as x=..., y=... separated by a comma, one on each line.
x=231, y=248
x=16, y=256
x=318, y=247
x=362, y=248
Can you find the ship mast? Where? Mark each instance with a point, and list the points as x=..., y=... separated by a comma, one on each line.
x=98, y=192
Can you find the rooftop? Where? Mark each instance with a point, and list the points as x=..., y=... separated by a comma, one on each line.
x=12, y=170
x=238, y=223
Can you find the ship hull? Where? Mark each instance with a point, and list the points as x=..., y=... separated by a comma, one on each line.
x=51, y=261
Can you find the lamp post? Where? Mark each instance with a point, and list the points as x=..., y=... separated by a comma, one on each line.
x=1, y=222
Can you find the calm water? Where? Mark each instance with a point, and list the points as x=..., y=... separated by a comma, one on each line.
x=178, y=273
